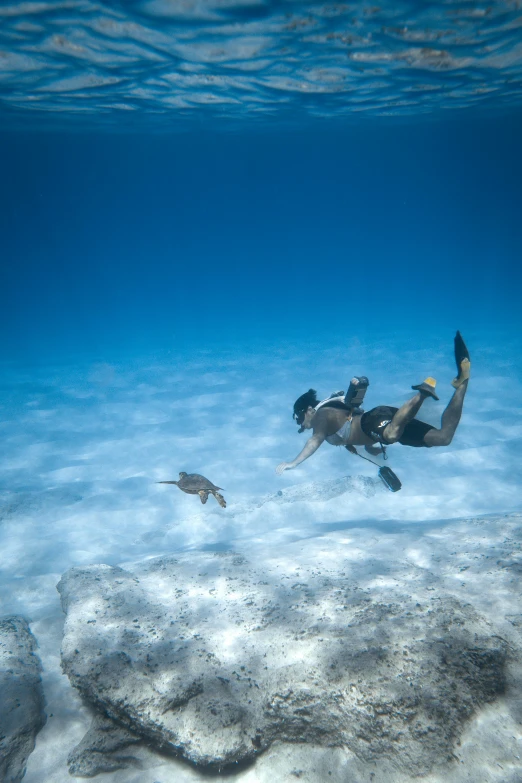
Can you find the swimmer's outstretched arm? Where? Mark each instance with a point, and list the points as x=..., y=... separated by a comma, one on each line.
x=311, y=446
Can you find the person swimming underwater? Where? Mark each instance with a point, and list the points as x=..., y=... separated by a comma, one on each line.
x=339, y=424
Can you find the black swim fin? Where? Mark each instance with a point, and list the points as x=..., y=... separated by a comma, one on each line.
x=461, y=352
x=427, y=387
x=462, y=360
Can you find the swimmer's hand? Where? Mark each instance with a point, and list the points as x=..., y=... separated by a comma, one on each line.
x=283, y=466
x=374, y=450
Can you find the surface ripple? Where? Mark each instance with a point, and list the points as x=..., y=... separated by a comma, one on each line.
x=166, y=60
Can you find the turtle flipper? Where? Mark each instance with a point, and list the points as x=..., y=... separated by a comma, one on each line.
x=220, y=499
x=462, y=360
x=203, y=495
x=166, y=482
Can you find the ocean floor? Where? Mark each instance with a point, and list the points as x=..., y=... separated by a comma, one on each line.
x=84, y=444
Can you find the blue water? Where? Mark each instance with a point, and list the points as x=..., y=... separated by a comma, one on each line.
x=139, y=242
x=172, y=263
x=207, y=208
x=179, y=174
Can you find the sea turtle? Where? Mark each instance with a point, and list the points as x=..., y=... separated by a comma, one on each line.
x=195, y=484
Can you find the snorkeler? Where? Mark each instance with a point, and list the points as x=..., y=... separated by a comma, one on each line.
x=342, y=424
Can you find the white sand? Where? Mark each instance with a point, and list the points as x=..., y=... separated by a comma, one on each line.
x=83, y=446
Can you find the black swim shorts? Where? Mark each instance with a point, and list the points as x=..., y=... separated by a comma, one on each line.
x=374, y=422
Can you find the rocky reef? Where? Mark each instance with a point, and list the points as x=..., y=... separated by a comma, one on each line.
x=212, y=659
x=21, y=697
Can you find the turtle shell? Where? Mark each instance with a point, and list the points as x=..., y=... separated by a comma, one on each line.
x=194, y=482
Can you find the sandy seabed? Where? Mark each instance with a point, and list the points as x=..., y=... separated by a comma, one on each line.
x=84, y=446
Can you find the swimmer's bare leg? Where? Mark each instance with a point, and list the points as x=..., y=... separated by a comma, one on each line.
x=393, y=431
x=450, y=419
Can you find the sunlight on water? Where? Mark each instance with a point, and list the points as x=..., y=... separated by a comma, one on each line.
x=162, y=61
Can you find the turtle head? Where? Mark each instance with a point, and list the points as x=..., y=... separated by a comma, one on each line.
x=182, y=474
